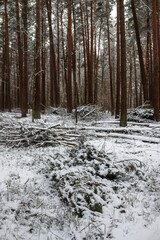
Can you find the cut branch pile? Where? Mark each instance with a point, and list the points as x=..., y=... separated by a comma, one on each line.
x=89, y=112
x=17, y=135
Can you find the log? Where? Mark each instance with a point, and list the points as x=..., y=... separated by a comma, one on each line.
x=134, y=137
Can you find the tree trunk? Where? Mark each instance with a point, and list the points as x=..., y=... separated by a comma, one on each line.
x=20, y=58
x=155, y=58
x=142, y=68
x=84, y=55
x=91, y=59
x=43, y=62
x=88, y=53
x=36, y=87
x=58, y=53
x=25, y=55
x=135, y=78
x=54, y=91
x=69, y=100
x=96, y=67
x=123, y=118
x=118, y=64
x=75, y=64
x=3, y=74
x=110, y=65
x=7, y=60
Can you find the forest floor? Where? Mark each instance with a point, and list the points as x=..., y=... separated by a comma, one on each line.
x=87, y=181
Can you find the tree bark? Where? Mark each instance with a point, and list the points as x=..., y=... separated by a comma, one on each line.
x=135, y=78
x=155, y=58
x=84, y=55
x=43, y=61
x=123, y=118
x=36, y=87
x=7, y=59
x=91, y=58
x=109, y=59
x=25, y=56
x=140, y=53
x=118, y=64
x=69, y=85
x=54, y=91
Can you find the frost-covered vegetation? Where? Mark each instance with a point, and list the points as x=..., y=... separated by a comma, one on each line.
x=79, y=182
x=87, y=179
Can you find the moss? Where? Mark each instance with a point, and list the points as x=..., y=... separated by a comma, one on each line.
x=111, y=175
x=95, y=191
x=115, y=188
x=80, y=213
x=96, y=167
x=54, y=177
x=97, y=207
x=87, y=198
x=103, y=197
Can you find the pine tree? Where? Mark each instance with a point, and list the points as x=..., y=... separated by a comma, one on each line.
x=123, y=118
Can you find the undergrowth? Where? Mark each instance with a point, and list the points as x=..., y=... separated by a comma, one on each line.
x=87, y=180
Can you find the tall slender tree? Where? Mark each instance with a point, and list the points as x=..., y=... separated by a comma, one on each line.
x=54, y=90
x=155, y=27
x=118, y=64
x=7, y=60
x=140, y=53
x=91, y=58
x=43, y=59
x=69, y=35
x=123, y=118
x=37, y=75
x=25, y=58
x=20, y=58
x=109, y=59
x=84, y=54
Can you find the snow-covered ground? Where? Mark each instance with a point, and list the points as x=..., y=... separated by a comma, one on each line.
x=37, y=180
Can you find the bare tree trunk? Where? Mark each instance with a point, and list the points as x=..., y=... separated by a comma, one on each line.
x=3, y=74
x=96, y=67
x=65, y=86
x=88, y=53
x=84, y=55
x=118, y=64
x=75, y=65
x=20, y=58
x=158, y=33
x=143, y=75
x=147, y=69
x=25, y=55
x=110, y=65
x=54, y=91
x=7, y=60
x=123, y=118
x=43, y=61
x=69, y=100
x=135, y=78
x=91, y=58
x=155, y=58
x=36, y=87
x=151, y=83
x=130, y=80
x=58, y=52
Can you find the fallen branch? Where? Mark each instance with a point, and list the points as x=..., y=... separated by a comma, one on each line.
x=134, y=137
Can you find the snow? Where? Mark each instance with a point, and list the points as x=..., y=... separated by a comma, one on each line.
x=31, y=207
x=143, y=139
